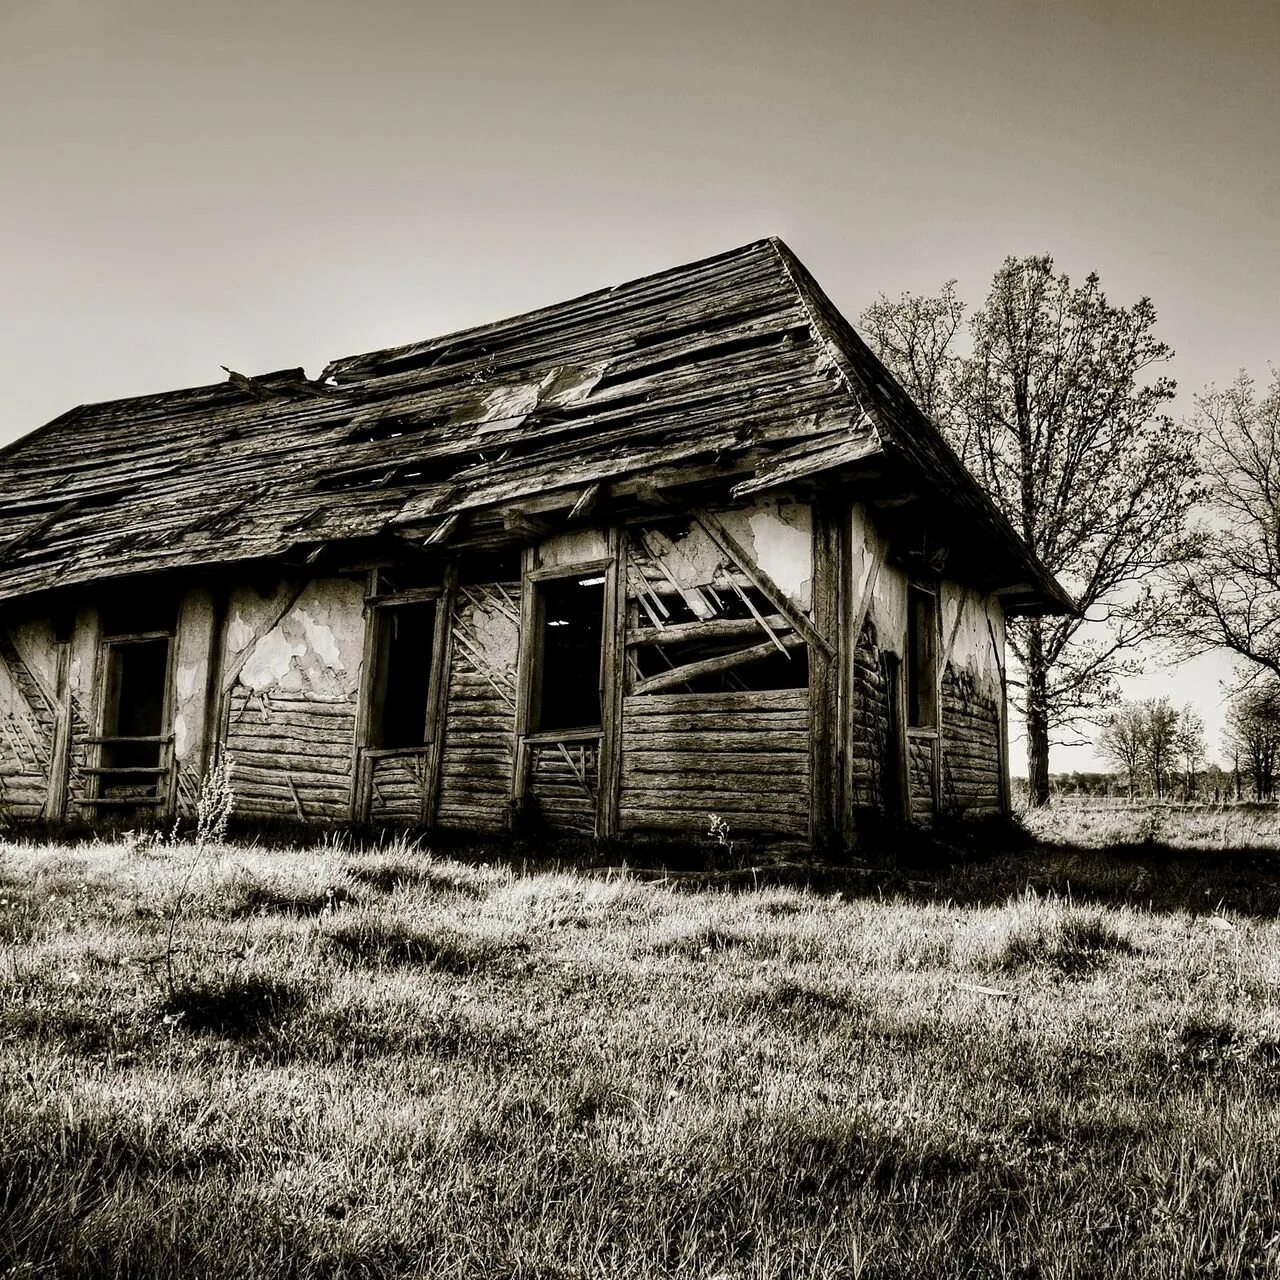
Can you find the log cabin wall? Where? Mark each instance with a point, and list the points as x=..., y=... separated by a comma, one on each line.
x=478, y=748
x=955, y=765
x=716, y=707
x=975, y=748
x=288, y=696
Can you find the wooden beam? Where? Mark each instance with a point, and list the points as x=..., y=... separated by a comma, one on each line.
x=613, y=668
x=438, y=694
x=444, y=530
x=1006, y=788
x=586, y=502
x=523, y=525
x=762, y=582
x=710, y=666
x=34, y=531
x=712, y=629
x=824, y=678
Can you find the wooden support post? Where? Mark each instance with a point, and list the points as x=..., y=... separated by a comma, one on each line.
x=195, y=643
x=438, y=695
x=856, y=604
x=824, y=677
x=527, y=662
x=613, y=658
x=361, y=769
x=85, y=656
x=55, y=805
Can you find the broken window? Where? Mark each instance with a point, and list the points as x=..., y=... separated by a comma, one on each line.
x=570, y=620
x=697, y=623
x=922, y=659
x=404, y=644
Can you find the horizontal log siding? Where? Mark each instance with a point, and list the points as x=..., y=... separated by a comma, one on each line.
x=920, y=766
x=478, y=753
x=868, y=762
x=287, y=744
x=396, y=787
x=564, y=783
x=971, y=755
x=742, y=755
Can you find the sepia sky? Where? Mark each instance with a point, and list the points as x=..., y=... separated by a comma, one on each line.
x=185, y=185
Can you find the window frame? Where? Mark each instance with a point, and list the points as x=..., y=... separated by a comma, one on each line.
x=921, y=673
x=381, y=608
x=537, y=580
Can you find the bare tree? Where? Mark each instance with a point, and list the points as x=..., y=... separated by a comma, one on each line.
x=1230, y=595
x=1160, y=748
x=1123, y=742
x=1056, y=409
x=1253, y=734
x=1189, y=746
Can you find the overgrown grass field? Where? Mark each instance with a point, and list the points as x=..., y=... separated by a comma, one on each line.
x=238, y=1062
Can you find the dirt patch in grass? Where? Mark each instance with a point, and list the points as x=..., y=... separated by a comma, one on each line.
x=254, y=897
x=391, y=875
x=234, y=1007
x=794, y=999
x=379, y=940
x=1074, y=941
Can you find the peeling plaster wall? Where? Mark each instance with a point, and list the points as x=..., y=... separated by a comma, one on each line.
x=972, y=725
x=568, y=549
x=778, y=536
x=292, y=708
x=195, y=643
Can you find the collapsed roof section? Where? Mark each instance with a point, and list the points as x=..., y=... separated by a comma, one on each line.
x=733, y=374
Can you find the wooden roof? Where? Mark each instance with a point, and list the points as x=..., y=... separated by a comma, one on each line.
x=734, y=371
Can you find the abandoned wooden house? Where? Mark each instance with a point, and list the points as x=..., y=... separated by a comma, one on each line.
x=675, y=548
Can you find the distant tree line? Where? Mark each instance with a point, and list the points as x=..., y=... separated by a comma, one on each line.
x=1157, y=748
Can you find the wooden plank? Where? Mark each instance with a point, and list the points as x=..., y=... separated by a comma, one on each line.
x=747, y=701
x=438, y=693
x=694, y=822
x=711, y=629
x=791, y=801
x=785, y=762
x=759, y=723
x=710, y=666
x=713, y=743
x=740, y=782
x=585, y=502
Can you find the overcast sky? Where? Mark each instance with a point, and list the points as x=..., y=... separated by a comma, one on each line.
x=263, y=185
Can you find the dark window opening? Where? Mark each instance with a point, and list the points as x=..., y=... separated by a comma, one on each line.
x=134, y=609
x=137, y=677
x=922, y=661
x=482, y=568
x=405, y=638
x=571, y=635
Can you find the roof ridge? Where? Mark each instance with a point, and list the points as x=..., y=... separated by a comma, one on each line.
x=421, y=345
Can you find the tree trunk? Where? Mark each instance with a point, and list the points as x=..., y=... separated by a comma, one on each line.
x=1036, y=710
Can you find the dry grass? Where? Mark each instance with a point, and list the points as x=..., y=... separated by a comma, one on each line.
x=385, y=1064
